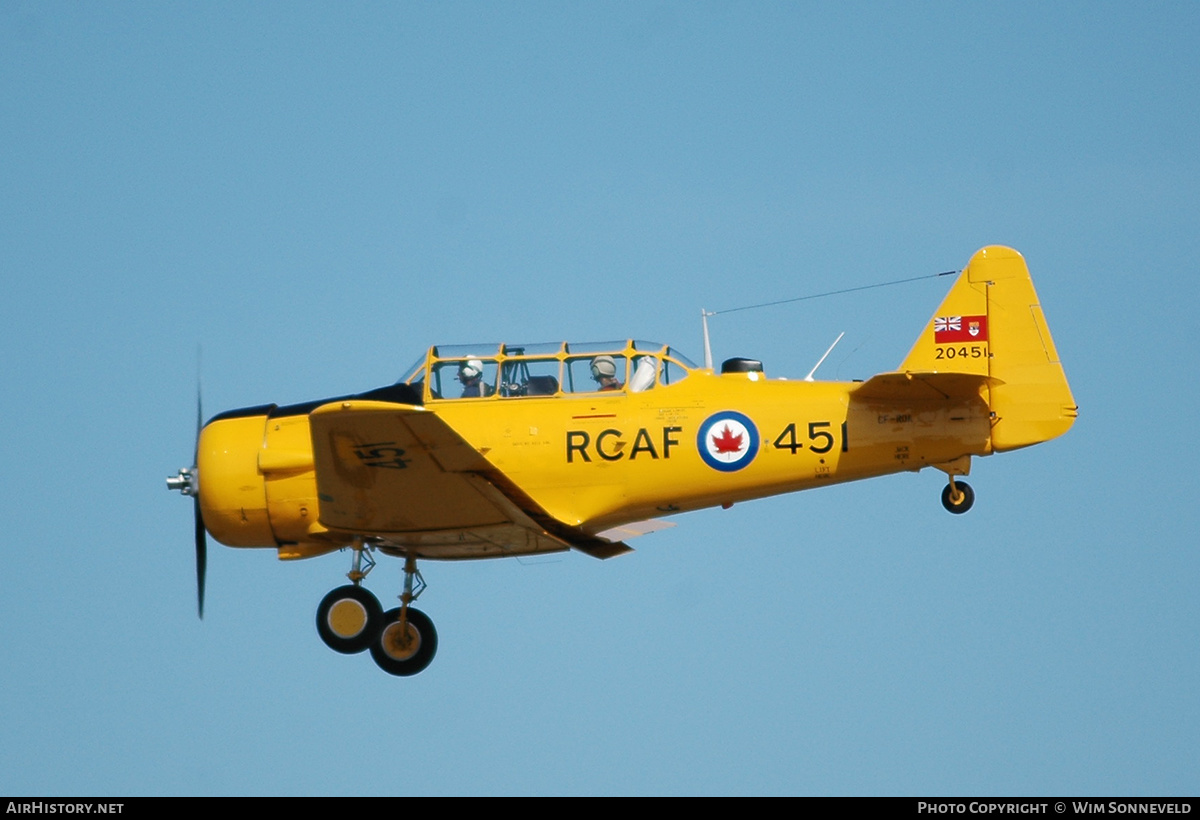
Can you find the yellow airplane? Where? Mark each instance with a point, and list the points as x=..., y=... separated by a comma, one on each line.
x=504, y=450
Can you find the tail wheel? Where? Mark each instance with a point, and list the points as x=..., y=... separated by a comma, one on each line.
x=958, y=497
x=405, y=648
x=348, y=619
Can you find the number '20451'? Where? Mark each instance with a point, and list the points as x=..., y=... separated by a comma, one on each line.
x=961, y=352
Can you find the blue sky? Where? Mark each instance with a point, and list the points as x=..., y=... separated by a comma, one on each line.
x=313, y=193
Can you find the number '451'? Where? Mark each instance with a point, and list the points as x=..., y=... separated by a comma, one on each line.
x=820, y=439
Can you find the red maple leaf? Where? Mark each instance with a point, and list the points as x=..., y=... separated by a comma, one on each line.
x=727, y=442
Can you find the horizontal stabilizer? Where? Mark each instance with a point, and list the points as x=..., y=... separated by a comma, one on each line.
x=923, y=386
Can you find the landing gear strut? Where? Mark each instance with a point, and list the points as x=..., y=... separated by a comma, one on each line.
x=408, y=641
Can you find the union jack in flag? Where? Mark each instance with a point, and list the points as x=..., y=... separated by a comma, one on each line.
x=950, y=329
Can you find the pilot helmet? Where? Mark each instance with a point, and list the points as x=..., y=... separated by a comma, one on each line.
x=603, y=366
x=470, y=369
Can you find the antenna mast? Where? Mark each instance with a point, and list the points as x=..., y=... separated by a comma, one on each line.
x=704, y=314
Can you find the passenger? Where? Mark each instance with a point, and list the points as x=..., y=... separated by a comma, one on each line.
x=604, y=371
x=470, y=373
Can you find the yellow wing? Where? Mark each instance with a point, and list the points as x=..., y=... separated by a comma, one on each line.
x=400, y=473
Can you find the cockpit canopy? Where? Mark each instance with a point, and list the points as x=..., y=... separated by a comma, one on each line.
x=504, y=371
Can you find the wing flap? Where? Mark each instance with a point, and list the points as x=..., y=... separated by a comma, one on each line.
x=635, y=528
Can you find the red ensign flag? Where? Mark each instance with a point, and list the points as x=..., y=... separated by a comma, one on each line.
x=950, y=329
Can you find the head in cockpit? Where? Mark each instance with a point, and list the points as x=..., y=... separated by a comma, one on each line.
x=604, y=372
x=470, y=373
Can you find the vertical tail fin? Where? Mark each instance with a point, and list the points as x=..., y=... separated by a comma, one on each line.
x=991, y=324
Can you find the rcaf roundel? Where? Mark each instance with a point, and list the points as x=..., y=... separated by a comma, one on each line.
x=727, y=441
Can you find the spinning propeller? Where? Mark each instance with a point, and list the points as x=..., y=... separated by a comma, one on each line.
x=188, y=482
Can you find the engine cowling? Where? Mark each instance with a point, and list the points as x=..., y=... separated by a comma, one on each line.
x=233, y=492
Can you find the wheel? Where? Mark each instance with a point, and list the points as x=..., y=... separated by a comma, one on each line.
x=348, y=619
x=405, y=652
x=966, y=497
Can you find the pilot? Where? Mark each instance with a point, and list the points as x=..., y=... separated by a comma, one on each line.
x=470, y=373
x=604, y=371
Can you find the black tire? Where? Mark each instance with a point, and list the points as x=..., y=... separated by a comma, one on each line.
x=404, y=661
x=348, y=619
x=964, y=504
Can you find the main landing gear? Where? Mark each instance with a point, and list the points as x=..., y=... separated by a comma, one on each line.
x=958, y=496
x=408, y=641
x=350, y=619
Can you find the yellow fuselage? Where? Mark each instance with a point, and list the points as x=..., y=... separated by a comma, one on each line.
x=600, y=460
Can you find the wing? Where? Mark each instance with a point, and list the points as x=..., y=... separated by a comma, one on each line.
x=401, y=474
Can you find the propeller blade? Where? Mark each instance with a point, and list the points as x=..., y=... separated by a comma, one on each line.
x=201, y=559
x=201, y=535
x=199, y=425
x=187, y=481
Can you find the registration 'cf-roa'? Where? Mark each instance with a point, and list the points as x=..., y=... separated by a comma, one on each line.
x=515, y=449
